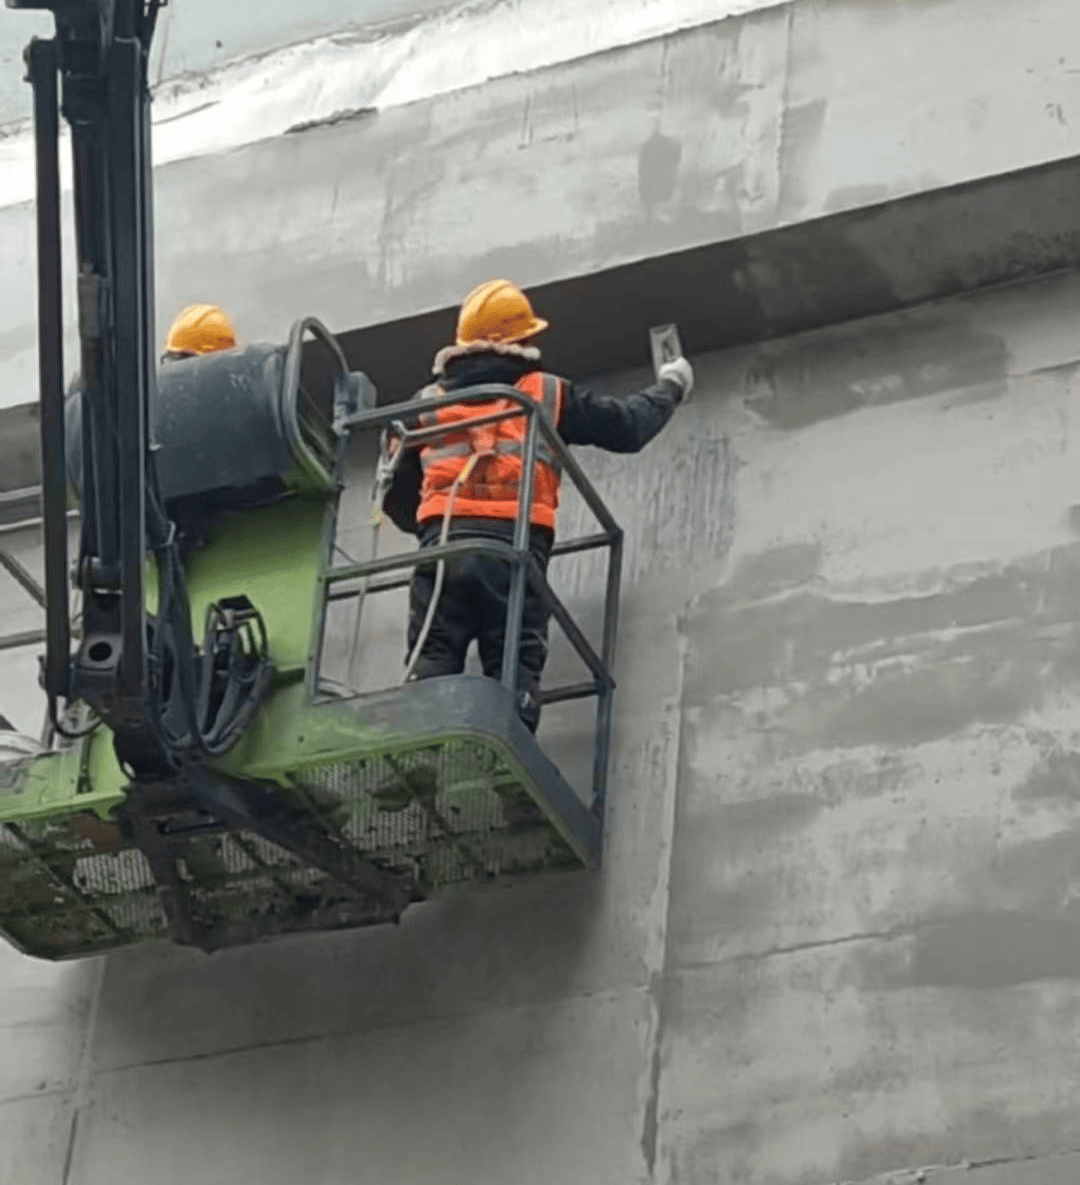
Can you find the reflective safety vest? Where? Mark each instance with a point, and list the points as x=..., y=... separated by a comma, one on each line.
x=490, y=457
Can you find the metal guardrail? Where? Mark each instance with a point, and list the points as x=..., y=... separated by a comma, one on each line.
x=526, y=570
x=33, y=589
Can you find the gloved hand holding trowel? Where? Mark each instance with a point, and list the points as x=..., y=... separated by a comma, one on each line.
x=668, y=360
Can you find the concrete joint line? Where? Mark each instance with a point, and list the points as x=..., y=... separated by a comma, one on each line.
x=932, y=1174
x=81, y=1095
x=659, y=990
x=802, y=947
x=479, y=1010
x=28, y=1095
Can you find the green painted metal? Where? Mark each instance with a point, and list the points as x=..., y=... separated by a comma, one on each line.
x=273, y=556
x=442, y=806
x=437, y=780
x=453, y=807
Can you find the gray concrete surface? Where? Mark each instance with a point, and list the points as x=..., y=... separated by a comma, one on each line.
x=789, y=280
x=767, y=121
x=835, y=936
x=198, y=35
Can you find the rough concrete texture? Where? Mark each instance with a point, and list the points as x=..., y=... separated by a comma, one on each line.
x=197, y=37
x=715, y=133
x=764, y=121
x=835, y=936
x=225, y=78
x=822, y=272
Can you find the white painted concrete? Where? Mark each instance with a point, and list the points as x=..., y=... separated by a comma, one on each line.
x=429, y=50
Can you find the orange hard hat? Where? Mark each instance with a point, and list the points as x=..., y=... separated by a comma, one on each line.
x=497, y=311
x=201, y=329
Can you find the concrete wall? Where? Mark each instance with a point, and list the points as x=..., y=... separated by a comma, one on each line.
x=205, y=53
x=835, y=936
x=773, y=119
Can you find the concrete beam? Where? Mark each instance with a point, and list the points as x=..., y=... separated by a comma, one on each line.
x=789, y=280
x=711, y=136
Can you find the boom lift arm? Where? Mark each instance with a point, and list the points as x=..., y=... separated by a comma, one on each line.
x=140, y=673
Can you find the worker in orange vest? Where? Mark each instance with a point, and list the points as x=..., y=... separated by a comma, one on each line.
x=199, y=329
x=473, y=475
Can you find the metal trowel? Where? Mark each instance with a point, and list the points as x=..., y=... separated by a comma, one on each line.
x=665, y=344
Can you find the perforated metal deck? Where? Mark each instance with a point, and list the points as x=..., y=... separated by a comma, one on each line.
x=467, y=806
x=326, y=813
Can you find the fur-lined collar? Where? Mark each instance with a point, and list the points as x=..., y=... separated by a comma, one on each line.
x=503, y=349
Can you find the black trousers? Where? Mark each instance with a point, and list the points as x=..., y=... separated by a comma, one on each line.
x=473, y=605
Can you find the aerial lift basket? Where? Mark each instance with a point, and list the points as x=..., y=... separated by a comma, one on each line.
x=332, y=810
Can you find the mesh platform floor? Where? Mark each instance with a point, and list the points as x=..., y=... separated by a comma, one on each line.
x=449, y=815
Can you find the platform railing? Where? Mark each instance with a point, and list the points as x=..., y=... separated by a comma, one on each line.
x=526, y=570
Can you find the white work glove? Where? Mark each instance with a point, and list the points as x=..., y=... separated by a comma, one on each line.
x=678, y=371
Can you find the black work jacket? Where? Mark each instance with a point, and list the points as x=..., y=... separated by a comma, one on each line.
x=617, y=424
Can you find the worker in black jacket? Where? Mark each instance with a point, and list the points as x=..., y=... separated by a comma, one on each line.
x=469, y=482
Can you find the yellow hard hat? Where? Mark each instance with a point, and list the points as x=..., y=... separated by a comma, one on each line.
x=497, y=311
x=201, y=329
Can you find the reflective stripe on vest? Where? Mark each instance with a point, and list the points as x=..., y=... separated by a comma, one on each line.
x=491, y=490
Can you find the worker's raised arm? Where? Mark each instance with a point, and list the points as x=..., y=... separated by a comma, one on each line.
x=625, y=423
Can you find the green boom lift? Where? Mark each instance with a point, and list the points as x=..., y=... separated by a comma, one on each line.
x=202, y=784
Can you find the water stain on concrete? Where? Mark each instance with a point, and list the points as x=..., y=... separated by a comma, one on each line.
x=1055, y=778
x=994, y=950
x=1042, y=875
x=838, y=374
x=899, y=672
x=777, y=570
x=810, y=273
x=727, y=882
x=913, y=709
x=754, y=643
x=739, y=826
x=703, y=912
x=658, y=167
x=855, y=1073
x=802, y=128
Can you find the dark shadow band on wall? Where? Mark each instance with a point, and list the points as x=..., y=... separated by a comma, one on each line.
x=843, y=267
x=840, y=268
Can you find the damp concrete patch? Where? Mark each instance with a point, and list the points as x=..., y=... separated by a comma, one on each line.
x=887, y=363
x=850, y=672
x=1056, y=779
x=996, y=950
x=770, y=573
x=708, y=905
x=797, y=1070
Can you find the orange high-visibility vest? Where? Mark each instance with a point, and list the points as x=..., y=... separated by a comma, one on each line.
x=491, y=488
